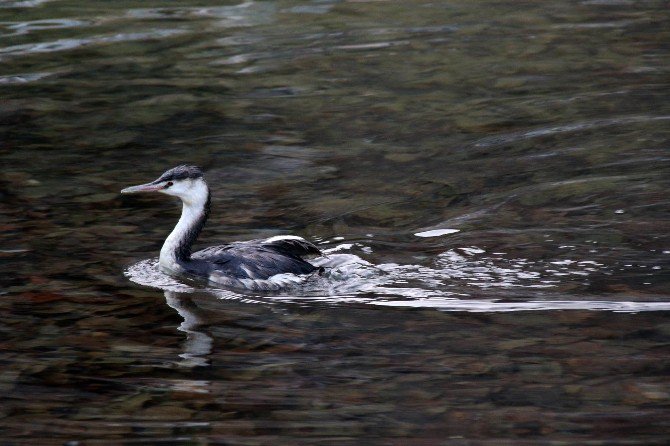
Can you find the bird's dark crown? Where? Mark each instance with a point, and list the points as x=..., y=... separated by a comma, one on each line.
x=182, y=172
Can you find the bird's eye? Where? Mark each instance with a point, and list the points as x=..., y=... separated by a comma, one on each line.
x=168, y=184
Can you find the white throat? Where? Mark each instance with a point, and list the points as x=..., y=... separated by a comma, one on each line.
x=193, y=213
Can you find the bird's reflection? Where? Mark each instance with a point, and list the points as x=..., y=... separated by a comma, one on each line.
x=198, y=344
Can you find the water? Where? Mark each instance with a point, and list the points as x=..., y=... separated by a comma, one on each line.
x=489, y=181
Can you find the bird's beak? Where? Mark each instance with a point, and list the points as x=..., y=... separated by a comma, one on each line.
x=149, y=187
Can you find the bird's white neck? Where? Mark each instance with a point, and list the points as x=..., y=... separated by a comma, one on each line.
x=195, y=210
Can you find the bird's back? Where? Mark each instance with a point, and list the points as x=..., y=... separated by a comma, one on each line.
x=253, y=264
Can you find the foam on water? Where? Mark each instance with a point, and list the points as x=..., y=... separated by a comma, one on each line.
x=457, y=280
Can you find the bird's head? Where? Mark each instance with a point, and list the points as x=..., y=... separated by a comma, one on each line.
x=185, y=182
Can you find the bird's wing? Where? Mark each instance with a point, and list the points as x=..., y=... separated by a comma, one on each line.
x=292, y=246
x=256, y=260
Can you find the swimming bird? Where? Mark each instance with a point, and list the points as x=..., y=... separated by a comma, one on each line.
x=268, y=264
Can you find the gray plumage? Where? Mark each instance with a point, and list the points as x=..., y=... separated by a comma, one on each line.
x=252, y=265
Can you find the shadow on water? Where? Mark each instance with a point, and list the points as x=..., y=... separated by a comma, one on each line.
x=489, y=183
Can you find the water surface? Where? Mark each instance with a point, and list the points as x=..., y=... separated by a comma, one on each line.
x=493, y=177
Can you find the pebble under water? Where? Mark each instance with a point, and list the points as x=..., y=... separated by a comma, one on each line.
x=488, y=182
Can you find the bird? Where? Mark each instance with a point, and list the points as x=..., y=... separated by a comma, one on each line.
x=268, y=264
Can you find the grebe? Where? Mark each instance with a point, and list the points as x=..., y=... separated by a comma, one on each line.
x=266, y=264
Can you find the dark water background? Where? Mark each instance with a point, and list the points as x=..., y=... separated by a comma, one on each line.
x=538, y=130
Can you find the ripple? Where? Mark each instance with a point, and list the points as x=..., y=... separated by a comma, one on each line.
x=448, y=285
x=20, y=28
x=310, y=9
x=607, y=2
x=69, y=44
x=22, y=78
x=372, y=45
x=594, y=25
x=23, y=4
x=146, y=273
x=491, y=305
x=245, y=14
x=499, y=140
